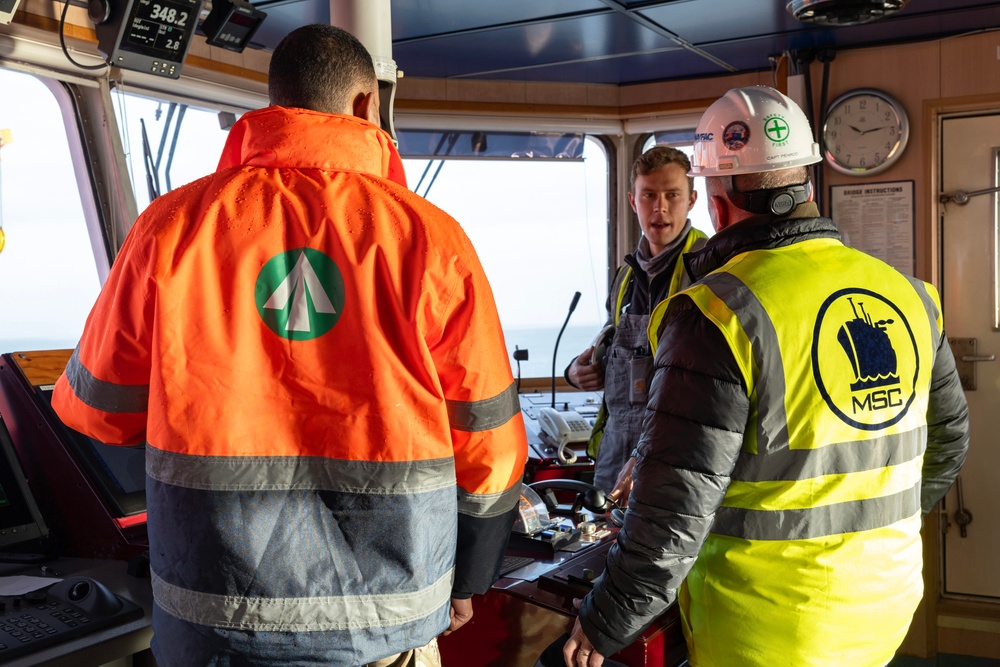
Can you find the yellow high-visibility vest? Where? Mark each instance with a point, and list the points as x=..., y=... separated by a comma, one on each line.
x=815, y=557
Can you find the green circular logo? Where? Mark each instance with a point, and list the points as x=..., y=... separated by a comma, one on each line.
x=300, y=294
x=776, y=129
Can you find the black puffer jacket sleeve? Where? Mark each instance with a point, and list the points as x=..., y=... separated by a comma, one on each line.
x=947, y=428
x=693, y=432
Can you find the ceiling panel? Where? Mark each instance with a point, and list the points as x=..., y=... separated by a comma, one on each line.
x=722, y=20
x=284, y=17
x=660, y=65
x=580, y=44
x=419, y=18
x=618, y=41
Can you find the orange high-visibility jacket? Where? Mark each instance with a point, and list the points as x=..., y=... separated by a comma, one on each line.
x=313, y=356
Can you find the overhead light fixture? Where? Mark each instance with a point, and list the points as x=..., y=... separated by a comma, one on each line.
x=231, y=24
x=7, y=9
x=836, y=13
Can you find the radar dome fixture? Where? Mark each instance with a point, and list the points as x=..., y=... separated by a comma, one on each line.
x=836, y=13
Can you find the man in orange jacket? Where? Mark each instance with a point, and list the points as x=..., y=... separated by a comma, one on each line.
x=313, y=357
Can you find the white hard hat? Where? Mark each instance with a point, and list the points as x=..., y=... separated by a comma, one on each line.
x=750, y=130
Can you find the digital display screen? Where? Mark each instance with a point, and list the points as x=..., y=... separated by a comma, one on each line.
x=237, y=19
x=118, y=472
x=19, y=518
x=232, y=23
x=232, y=33
x=160, y=28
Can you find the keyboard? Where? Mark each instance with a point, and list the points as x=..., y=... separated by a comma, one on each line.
x=511, y=563
x=73, y=607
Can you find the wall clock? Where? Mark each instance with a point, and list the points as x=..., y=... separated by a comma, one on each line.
x=865, y=132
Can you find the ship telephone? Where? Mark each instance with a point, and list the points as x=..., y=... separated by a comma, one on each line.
x=564, y=429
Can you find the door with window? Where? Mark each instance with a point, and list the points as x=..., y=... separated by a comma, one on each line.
x=970, y=224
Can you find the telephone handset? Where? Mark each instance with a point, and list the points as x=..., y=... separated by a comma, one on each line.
x=564, y=428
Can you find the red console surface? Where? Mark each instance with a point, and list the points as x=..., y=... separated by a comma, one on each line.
x=90, y=507
x=533, y=606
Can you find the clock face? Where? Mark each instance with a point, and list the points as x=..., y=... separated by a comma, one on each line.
x=865, y=132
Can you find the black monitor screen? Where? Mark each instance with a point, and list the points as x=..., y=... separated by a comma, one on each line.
x=117, y=472
x=20, y=520
x=160, y=29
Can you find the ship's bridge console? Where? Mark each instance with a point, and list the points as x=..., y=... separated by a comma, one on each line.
x=556, y=553
x=70, y=505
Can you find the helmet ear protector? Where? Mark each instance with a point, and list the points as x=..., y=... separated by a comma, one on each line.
x=779, y=201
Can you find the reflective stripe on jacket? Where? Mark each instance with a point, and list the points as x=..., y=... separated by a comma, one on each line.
x=804, y=398
x=822, y=515
x=314, y=356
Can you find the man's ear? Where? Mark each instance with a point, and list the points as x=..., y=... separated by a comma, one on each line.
x=361, y=107
x=718, y=210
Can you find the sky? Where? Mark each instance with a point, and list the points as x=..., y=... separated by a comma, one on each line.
x=48, y=285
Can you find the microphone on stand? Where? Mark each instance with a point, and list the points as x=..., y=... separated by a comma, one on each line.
x=572, y=307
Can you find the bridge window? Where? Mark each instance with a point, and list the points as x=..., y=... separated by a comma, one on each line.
x=167, y=144
x=540, y=228
x=48, y=270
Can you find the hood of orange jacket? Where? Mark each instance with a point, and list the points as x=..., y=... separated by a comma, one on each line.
x=266, y=138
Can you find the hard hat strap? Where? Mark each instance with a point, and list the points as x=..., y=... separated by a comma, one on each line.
x=777, y=201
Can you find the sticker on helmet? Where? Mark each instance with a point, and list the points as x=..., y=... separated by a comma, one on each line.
x=736, y=135
x=776, y=129
x=864, y=358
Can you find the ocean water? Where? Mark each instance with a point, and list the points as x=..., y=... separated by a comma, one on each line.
x=539, y=341
x=34, y=344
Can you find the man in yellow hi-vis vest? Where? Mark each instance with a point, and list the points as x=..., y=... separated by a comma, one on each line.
x=661, y=194
x=805, y=413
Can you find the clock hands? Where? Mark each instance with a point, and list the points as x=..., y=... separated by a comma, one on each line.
x=864, y=132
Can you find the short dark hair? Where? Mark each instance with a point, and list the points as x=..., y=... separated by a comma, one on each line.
x=319, y=67
x=658, y=157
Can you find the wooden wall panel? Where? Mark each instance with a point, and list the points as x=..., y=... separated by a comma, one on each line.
x=970, y=65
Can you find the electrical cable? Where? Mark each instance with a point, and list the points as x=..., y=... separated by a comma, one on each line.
x=826, y=56
x=62, y=42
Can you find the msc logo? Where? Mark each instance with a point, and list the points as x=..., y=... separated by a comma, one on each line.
x=300, y=294
x=864, y=358
x=704, y=136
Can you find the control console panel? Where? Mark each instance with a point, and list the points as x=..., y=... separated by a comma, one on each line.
x=71, y=608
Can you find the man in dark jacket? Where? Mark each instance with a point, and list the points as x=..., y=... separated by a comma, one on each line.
x=804, y=415
x=661, y=194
